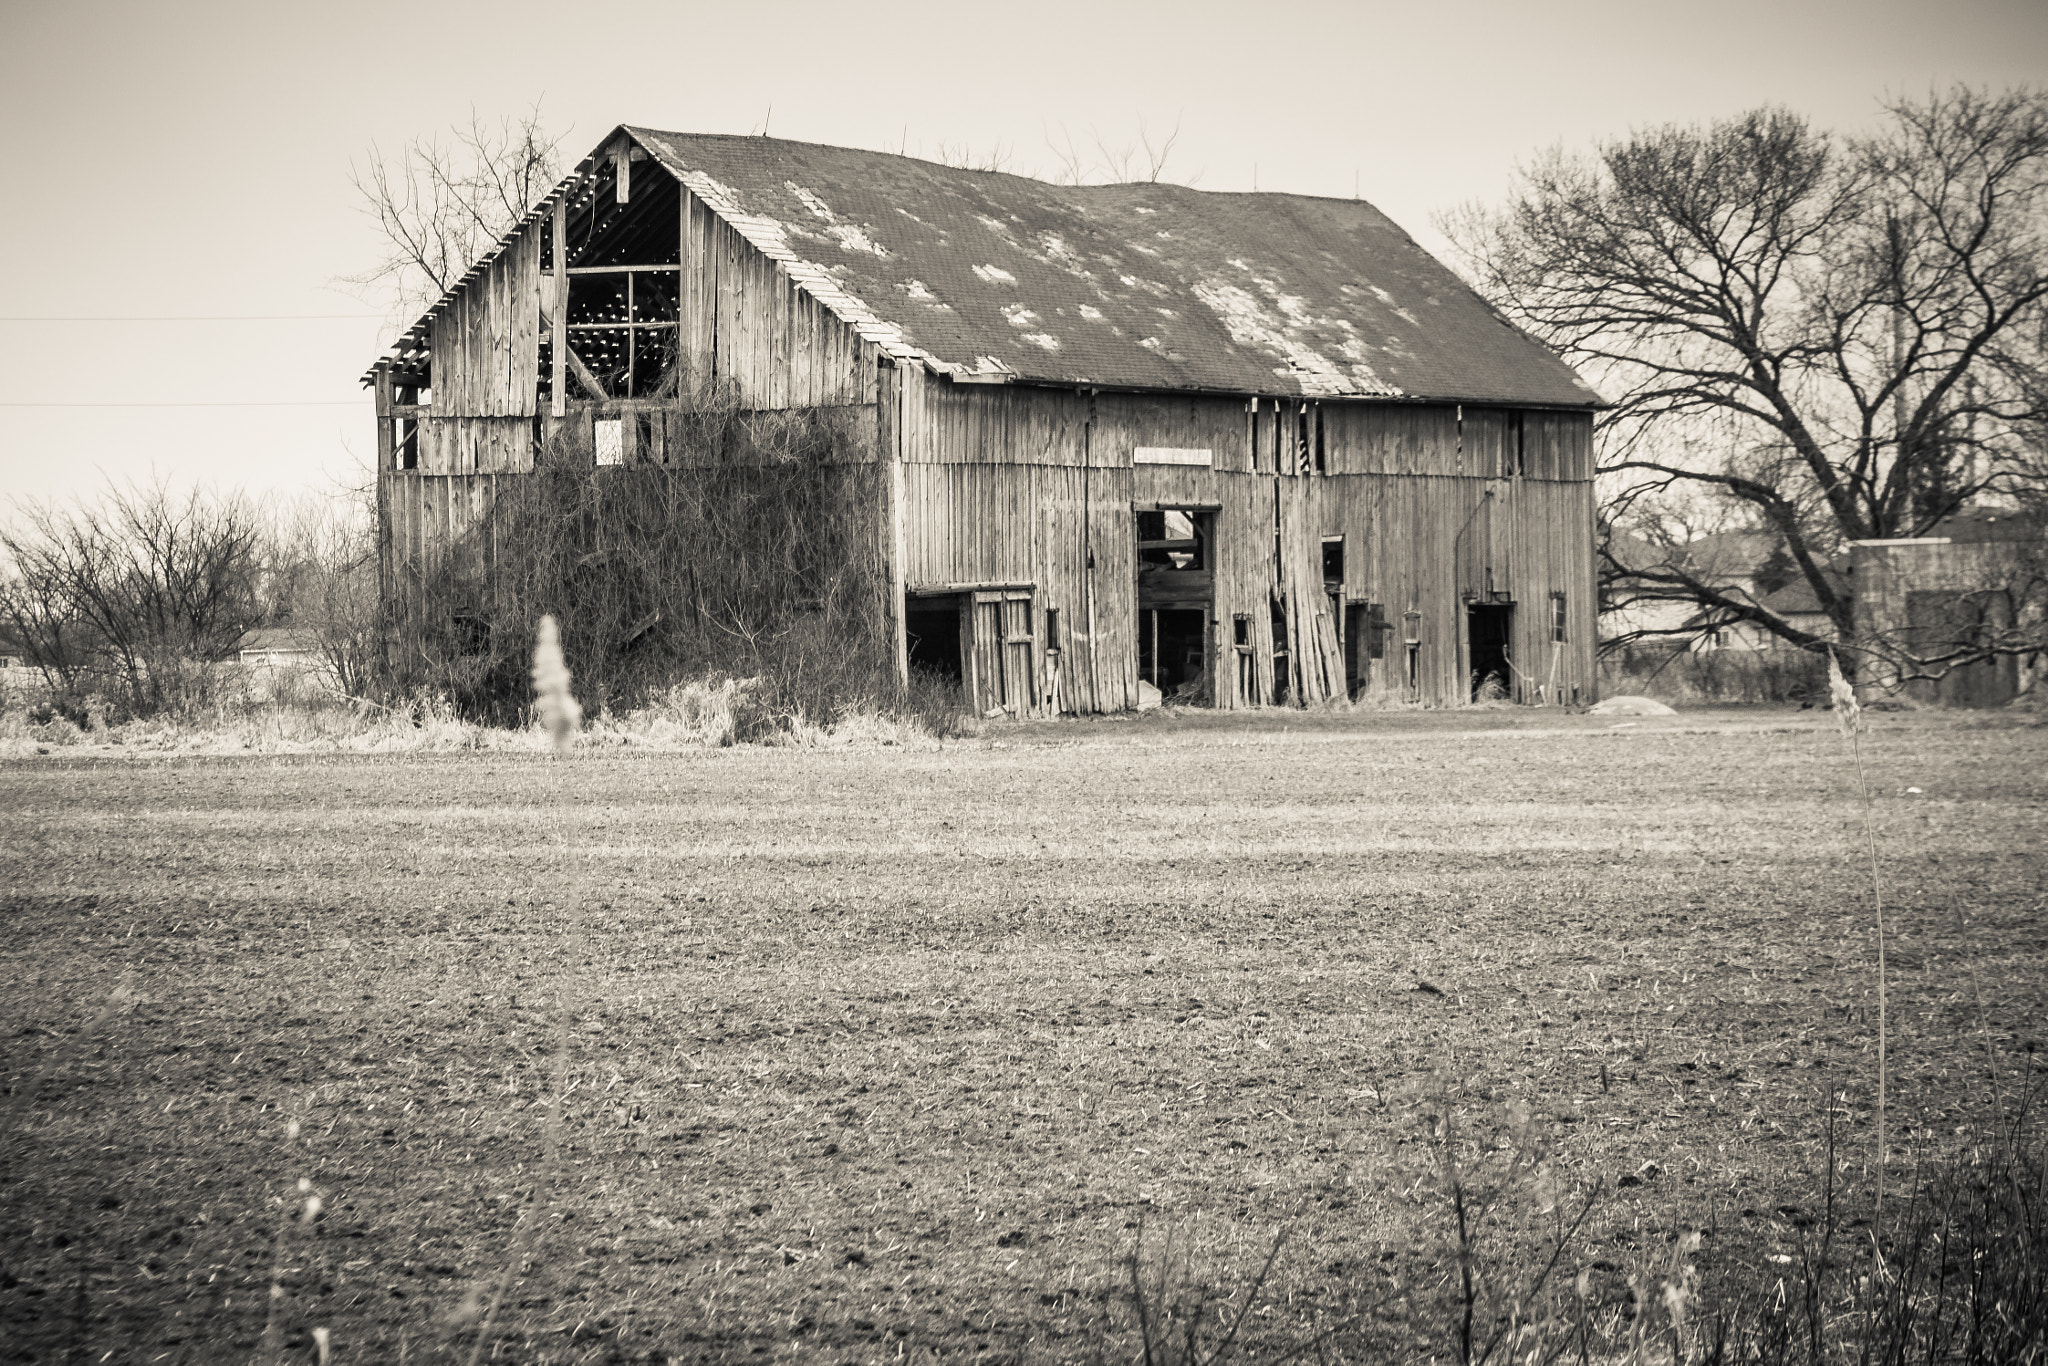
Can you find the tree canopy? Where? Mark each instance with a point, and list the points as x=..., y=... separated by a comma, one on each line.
x=1840, y=338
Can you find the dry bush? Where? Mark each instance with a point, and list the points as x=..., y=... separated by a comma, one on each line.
x=137, y=598
x=1715, y=676
x=753, y=552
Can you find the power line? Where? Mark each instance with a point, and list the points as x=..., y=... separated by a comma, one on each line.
x=183, y=317
x=308, y=403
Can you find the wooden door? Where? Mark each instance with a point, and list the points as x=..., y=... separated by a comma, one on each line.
x=1002, y=652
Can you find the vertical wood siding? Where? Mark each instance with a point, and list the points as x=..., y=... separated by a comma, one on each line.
x=746, y=323
x=426, y=519
x=1017, y=485
x=474, y=445
x=485, y=346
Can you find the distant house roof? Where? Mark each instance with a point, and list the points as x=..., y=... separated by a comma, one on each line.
x=1722, y=559
x=1976, y=525
x=1797, y=598
x=1145, y=286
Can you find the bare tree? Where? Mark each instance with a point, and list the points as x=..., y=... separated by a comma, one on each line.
x=440, y=203
x=323, y=584
x=1070, y=163
x=1841, y=337
x=134, y=595
x=1140, y=160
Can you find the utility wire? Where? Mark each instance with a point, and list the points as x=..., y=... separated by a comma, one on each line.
x=184, y=318
x=309, y=403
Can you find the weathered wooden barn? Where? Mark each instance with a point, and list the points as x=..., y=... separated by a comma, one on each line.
x=1246, y=448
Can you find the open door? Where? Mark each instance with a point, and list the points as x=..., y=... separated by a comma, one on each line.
x=1001, y=651
x=1176, y=598
x=983, y=640
x=1489, y=627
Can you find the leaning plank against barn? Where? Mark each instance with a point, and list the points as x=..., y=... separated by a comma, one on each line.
x=1245, y=449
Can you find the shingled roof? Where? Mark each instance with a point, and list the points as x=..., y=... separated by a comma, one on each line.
x=986, y=275
x=1145, y=286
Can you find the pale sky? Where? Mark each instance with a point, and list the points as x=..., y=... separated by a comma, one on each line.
x=191, y=162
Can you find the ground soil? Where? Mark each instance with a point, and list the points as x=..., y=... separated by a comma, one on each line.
x=896, y=1054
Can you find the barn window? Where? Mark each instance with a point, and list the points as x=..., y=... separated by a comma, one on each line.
x=622, y=327
x=1558, y=616
x=405, y=439
x=1173, y=538
x=1309, y=454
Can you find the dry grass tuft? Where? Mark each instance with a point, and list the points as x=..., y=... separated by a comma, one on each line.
x=555, y=707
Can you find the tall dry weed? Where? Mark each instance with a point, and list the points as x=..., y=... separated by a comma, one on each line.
x=560, y=716
x=560, y=713
x=1849, y=713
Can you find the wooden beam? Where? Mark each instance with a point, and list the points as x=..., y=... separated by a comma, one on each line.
x=690, y=292
x=892, y=400
x=559, y=343
x=582, y=372
x=387, y=436
x=622, y=169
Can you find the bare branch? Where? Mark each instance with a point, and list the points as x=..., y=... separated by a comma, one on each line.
x=1842, y=338
x=439, y=205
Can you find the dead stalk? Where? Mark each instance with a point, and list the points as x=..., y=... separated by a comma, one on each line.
x=1849, y=712
x=561, y=715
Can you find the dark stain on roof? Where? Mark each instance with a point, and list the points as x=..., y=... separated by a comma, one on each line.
x=1138, y=286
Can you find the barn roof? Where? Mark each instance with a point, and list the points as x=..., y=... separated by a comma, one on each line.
x=985, y=275
x=1148, y=285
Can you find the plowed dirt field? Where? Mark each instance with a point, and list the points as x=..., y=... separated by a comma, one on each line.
x=881, y=1054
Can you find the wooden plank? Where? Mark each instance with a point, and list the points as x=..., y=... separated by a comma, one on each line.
x=581, y=371
x=386, y=433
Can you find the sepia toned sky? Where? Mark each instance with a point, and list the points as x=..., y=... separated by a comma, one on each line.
x=189, y=164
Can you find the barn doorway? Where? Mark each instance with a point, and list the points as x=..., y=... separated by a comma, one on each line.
x=931, y=628
x=1489, y=627
x=1176, y=599
x=985, y=640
